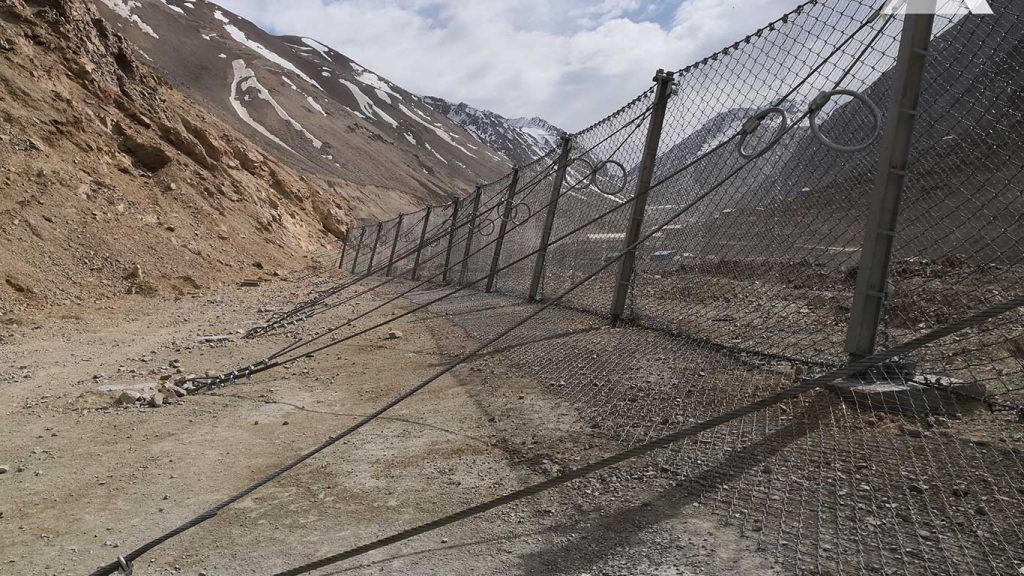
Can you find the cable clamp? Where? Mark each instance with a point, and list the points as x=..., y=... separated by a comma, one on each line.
x=124, y=566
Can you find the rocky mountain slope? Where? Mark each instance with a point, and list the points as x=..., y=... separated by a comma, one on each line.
x=313, y=108
x=518, y=139
x=114, y=182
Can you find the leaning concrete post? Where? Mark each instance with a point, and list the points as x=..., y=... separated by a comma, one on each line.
x=549, y=219
x=420, y=246
x=503, y=227
x=394, y=245
x=359, y=245
x=451, y=241
x=894, y=161
x=627, y=263
x=469, y=235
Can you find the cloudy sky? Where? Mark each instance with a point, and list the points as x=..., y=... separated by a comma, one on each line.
x=568, y=61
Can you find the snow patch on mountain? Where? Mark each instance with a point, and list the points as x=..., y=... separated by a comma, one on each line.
x=312, y=102
x=443, y=134
x=262, y=50
x=173, y=7
x=366, y=105
x=323, y=50
x=124, y=8
x=242, y=73
x=245, y=79
x=377, y=83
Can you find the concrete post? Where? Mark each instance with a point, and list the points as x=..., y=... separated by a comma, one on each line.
x=420, y=246
x=502, y=228
x=634, y=227
x=549, y=218
x=469, y=236
x=373, y=251
x=880, y=234
x=451, y=241
x=394, y=245
x=359, y=246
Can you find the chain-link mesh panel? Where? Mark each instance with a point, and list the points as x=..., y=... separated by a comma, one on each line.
x=485, y=228
x=759, y=263
x=744, y=281
x=961, y=221
x=618, y=139
x=530, y=204
x=439, y=229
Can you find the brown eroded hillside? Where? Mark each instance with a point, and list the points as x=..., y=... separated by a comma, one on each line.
x=113, y=182
x=315, y=109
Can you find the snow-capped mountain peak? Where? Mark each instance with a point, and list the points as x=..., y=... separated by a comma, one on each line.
x=518, y=139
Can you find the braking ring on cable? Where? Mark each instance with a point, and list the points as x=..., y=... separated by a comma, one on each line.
x=621, y=184
x=819, y=102
x=515, y=219
x=754, y=122
x=488, y=224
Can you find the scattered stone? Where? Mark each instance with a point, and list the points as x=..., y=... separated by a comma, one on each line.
x=285, y=423
x=249, y=283
x=209, y=339
x=134, y=273
x=128, y=397
x=156, y=400
x=393, y=335
x=912, y=431
x=172, y=390
x=916, y=488
x=4, y=469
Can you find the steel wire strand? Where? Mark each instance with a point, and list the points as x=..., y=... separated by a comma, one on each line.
x=266, y=364
x=438, y=232
x=112, y=567
x=867, y=21
x=498, y=201
x=278, y=320
x=212, y=512
x=824, y=380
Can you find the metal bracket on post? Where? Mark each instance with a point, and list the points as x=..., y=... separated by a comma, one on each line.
x=549, y=218
x=451, y=241
x=502, y=228
x=643, y=184
x=879, y=236
x=373, y=251
x=394, y=245
x=359, y=246
x=341, y=259
x=469, y=236
x=423, y=240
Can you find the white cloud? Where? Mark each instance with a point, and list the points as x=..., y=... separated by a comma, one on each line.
x=570, y=61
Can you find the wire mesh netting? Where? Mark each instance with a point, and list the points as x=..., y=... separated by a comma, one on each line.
x=747, y=263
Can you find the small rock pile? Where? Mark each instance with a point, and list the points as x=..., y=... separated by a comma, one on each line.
x=156, y=395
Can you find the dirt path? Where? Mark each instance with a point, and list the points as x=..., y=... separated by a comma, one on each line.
x=88, y=481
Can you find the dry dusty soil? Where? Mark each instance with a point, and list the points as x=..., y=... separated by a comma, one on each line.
x=87, y=480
